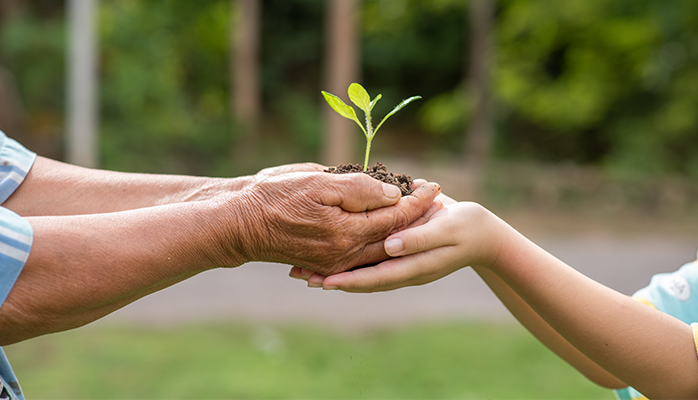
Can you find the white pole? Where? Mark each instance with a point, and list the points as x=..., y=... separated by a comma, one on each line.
x=82, y=84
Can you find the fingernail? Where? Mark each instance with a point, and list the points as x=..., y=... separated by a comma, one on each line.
x=391, y=191
x=393, y=246
x=330, y=288
x=314, y=285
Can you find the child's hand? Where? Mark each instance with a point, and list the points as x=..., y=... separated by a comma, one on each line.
x=456, y=236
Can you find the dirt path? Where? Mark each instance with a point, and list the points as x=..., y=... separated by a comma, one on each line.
x=260, y=292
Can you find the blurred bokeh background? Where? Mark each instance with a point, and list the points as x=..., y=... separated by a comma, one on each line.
x=597, y=91
x=525, y=102
x=575, y=116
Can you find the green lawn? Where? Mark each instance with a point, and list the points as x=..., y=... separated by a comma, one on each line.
x=464, y=361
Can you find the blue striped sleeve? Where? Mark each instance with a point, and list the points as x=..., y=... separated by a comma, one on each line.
x=15, y=162
x=15, y=231
x=15, y=236
x=15, y=243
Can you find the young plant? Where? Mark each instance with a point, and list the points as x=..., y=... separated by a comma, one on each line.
x=359, y=96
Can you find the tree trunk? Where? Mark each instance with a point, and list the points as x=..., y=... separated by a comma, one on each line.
x=479, y=131
x=244, y=73
x=82, y=147
x=341, y=69
x=11, y=110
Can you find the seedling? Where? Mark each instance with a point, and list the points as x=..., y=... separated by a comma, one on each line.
x=359, y=96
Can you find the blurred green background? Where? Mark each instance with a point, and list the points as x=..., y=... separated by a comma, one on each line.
x=606, y=87
x=593, y=108
x=236, y=361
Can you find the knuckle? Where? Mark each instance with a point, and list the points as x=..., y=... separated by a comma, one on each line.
x=421, y=242
x=401, y=220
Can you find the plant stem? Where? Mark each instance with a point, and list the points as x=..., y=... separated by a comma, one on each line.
x=368, y=151
x=369, y=137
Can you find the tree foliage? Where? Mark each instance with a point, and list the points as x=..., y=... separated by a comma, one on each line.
x=609, y=83
x=605, y=82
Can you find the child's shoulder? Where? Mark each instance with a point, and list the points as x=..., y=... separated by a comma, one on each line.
x=675, y=293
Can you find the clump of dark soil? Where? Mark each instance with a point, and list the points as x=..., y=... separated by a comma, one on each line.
x=377, y=171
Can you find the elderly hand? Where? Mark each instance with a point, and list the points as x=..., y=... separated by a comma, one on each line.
x=322, y=222
x=366, y=279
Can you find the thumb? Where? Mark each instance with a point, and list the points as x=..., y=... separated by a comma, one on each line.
x=359, y=192
x=417, y=239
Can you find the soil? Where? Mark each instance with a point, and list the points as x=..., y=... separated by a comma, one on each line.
x=377, y=171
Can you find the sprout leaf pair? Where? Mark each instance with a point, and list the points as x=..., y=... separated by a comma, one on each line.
x=359, y=96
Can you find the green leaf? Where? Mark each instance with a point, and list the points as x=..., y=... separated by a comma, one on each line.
x=342, y=108
x=373, y=103
x=396, y=109
x=359, y=96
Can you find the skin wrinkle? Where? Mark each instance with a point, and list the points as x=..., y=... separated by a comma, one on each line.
x=228, y=246
x=65, y=288
x=287, y=226
x=378, y=246
x=242, y=229
x=105, y=239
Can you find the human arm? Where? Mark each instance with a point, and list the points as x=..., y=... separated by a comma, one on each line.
x=83, y=267
x=56, y=188
x=592, y=326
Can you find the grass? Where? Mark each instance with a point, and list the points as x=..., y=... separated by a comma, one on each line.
x=466, y=361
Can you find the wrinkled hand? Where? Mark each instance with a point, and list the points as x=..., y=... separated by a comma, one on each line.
x=327, y=223
x=456, y=236
x=437, y=244
x=270, y=172
x=316, y=280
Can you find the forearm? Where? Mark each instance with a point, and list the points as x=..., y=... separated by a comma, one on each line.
x=641, y=346
x=545, y=333
x=55, y=188
x=83, y=267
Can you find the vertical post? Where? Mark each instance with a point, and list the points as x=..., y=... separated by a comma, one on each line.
x=245, y=99
x=341, y=69
x=479, y=132
x=82, y=143
x=245, y=62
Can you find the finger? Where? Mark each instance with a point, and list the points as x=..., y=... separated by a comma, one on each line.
x=295, y=273
x=419, y=238
x=358, y=192
x=447, y=200
x=300, y=273
x=418, y=204
x=376, y=252
x=395, y=273
x=435, y=207
x=370, y=254
x=306, y=273
x=378, y=224
x=418, y=182
x=316, y=280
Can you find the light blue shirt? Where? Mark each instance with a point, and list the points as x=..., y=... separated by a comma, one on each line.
x=15, y=241
x=674, y=293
